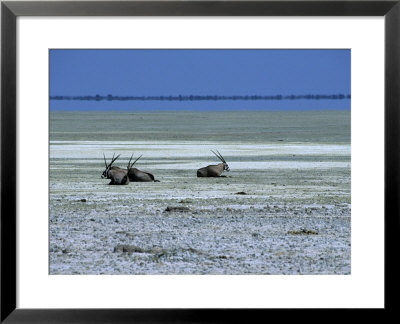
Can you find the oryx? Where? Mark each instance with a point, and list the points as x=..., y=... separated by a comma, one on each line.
x=117, y=175
x=214, y=170
x=135, y=175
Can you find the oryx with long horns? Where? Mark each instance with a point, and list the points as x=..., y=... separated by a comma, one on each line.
x=117, y=175
x=214, y=170
x=135, y=175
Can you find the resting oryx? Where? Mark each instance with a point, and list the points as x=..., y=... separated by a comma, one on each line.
x=136, y=175
x=117, y=175
x=214, y=170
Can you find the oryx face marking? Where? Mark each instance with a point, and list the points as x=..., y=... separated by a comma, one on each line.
x=226, y=167
x=105, y=173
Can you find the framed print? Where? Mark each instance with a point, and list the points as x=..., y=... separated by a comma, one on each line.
x=180, y=160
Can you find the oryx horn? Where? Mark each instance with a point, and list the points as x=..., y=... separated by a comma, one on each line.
x=223, y=160
x=114, y=159
x=136, y=160
x=219, y=156
x=129, y=163
x=105, y=161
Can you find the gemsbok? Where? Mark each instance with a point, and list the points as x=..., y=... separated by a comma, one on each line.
x=135, y=175
x=117, y=175
x=214, y=170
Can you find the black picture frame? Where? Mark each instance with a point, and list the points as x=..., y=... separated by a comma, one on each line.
x=10, y=10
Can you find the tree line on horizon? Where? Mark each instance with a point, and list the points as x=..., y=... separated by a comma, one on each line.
x=110, y=97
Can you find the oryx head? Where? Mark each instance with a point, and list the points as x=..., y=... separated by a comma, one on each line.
x=131, y=164
x=219, y=156
x=108, y=166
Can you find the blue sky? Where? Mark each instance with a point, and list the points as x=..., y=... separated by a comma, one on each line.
x=199, y=72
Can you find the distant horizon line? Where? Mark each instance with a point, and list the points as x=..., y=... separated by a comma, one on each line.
x=194, y=111
x=111, y=97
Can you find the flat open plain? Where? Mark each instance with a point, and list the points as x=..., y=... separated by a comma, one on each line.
x=284, y=208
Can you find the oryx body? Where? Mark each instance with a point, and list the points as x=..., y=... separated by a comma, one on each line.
x=136, y=175
x=117, y=175
x=214, y=170
x=140, y=176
